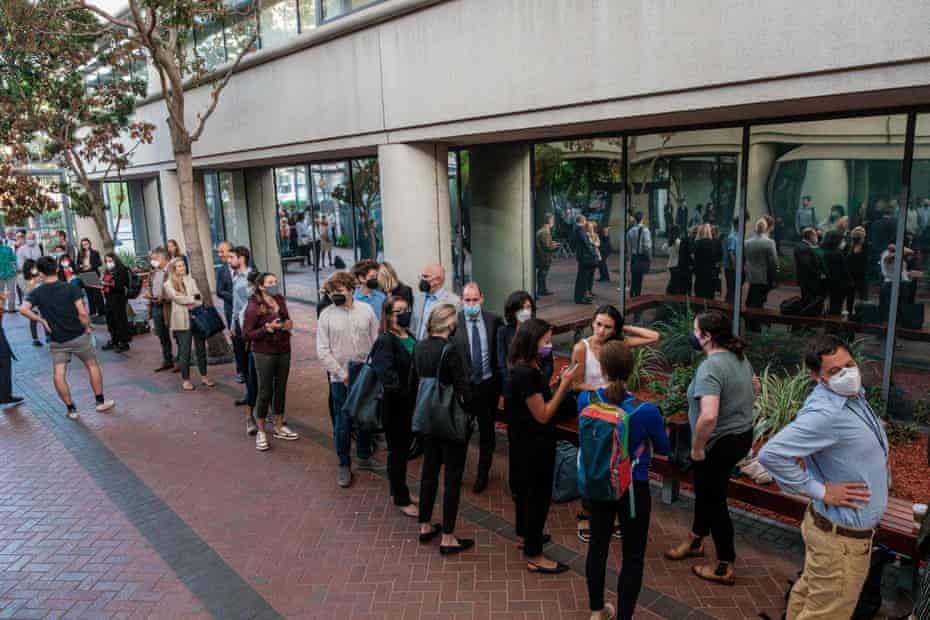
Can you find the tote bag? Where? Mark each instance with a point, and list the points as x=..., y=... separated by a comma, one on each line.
x=439, y=412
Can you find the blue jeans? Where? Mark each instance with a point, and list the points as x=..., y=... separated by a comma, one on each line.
x=342, y=427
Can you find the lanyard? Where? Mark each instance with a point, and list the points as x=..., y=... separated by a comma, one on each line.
x=871, y=421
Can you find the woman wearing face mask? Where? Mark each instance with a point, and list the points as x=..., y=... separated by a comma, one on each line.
x=267, y=327
x=519, y=308
x=31, y=279
x=182, y=292
x=66, y=270
x=391, y=357
x=115, y=283
x=720, y=401
x=530, y=407
x=88, y=261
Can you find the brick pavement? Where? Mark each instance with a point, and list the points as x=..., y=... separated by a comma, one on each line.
x=174, y=506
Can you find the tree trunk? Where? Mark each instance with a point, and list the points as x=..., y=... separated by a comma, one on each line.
x=217, y=346
x=100, y=219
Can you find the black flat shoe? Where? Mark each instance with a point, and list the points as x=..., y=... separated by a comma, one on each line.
x=536, y=568
x=240, y=403
x=464, y=545
x=425, y=538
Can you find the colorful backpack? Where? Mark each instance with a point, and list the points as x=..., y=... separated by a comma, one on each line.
x=605, y=464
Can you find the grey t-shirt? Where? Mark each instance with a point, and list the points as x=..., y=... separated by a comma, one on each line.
x=725, y=375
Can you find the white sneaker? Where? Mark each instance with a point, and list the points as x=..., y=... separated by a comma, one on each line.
x=285, y=433
x=104, y=406
x=261, y=441
x=72, y=415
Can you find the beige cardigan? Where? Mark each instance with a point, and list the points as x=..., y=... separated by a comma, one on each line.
x=180, y=319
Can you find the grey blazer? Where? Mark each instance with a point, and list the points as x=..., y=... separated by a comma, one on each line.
x=761, y=259
x=419, y=301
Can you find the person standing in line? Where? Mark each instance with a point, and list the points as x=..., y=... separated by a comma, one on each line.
x=438, y=357
x=805, y=217
x=88, y=261
x=519, y=308
x=30, y=280
x=66, y=270
x=66, y=244
x=68, y=325
x=346, y=331
x=267, y=327
x=115, y=283
x=761, y=266
x=8, y=276
x=639, y=240
x=586, y=257
x=545, y=248
x=366, y=290
x=845, y=452
x=156, y=298
x=182, y=291
x=647, y=430
x=251, y=375
x=720, y=401
x=476, y=339
x=7, y=397
x=326, y=241
x=810, y=268
x=729, y=261
x=707, y=254
x=26, y=249
x=530, y=407
x=391, y=359
x=392, y=286
x=674, y=286
x=432, y=294
x=839, y=281
x=856, y=257
x=239, y=264
x=174, y=252
x=224, y=286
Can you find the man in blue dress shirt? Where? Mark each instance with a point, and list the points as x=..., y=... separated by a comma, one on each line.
x=366, y=274
x=845, y=452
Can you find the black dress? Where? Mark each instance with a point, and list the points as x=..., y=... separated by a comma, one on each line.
x=707, y=256
x=391, y=362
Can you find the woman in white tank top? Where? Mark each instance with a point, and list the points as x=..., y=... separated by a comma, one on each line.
x=606, y=325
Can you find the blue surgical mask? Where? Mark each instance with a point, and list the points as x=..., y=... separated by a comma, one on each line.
x=472, y=311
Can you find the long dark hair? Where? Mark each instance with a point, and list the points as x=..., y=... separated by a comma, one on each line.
x=257, y=295
x=615, y=316
x=386, y=311
x=616, y=363
x=514, y=304
x=717, y=325
x=524, y=348
x=115, y=258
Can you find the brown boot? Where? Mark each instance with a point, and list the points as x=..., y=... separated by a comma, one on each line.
x=693, y=548
x=721, y=572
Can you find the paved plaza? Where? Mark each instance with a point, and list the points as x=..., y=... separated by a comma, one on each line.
x=162, y=508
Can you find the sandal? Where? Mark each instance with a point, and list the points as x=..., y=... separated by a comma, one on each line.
x=187, y=386
x=584, y=534
x=208, y=382
x=430, y=535
x=545, y=570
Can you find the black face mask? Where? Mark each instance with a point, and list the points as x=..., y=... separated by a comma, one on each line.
x=371, y=284
x=424, y=286
x=404, y=318
x=338, y=299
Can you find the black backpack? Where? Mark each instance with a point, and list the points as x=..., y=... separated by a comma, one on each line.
x=135, y=285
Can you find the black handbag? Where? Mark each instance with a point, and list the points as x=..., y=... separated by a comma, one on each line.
x=206, y=322
x=365, y=397
x=679, y=434
x=439, y=413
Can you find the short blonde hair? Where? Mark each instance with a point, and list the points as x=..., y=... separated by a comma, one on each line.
x=705, y=231
x=387, y=277
x=441, y=319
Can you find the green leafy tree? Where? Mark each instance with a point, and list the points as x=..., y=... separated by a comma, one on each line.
x=49, y=114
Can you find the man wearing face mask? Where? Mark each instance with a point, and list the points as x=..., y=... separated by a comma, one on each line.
x=432, y=294
x=27, y=250
x=845, y=452
x=366, y=274
x=346, y=331
x=476, y=339
x=156, y=298
x=239, y=261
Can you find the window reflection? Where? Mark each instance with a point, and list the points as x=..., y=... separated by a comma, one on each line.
x=210, y=46
x=278, y=19
x=307, y=9
x=335, y=8
x=240, y=27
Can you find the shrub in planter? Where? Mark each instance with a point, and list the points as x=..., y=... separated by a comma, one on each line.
x=780, y=351
x=779, y=401
x=646, y=363
x=676, y=391
x=675, y=329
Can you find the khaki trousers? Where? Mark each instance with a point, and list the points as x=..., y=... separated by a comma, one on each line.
x=835, y=567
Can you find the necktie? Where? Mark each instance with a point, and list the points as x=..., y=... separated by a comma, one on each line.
x=477, y=370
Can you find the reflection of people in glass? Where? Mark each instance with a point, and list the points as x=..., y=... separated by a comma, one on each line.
x=837, y=212
x=806, y=216
x=729, y=260
x=603, y=233
x=639, y=240
x=698, y=218
x=856, y=261
x=681, y=216
x=586, y=256
x=761, y=266
x=545, y=248
x=674, y=286
x=809, y=267
x=707, y=254
x=284, y=237
x=839, y=281
x=326, y=241
x=595, y=240
x=304, y=229
x=367, y=238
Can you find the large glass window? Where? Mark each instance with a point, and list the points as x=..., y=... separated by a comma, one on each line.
x=209, y=42
x=214, y=206
x=235, y=211
x=278, y=21
x=335, y=8
x=307, y=9
x=367, y=200
x=119, y=217
x=240, y=27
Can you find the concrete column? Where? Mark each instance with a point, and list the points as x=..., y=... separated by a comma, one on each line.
x=152, y=200
x=761, y=161
x=501, y=221
x=827, y=183
x=262, y=206
x=416, y=212
x=170, y=202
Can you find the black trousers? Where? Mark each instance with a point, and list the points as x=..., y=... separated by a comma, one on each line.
x=117, y=319
x=636, y=283
x=6, y=378
x=34, y=329
x=584, y=279
x=436, y=455
x=532, y=463
x=398, y=416
x=542, y=274
x=602, y=270
x=485, y=397
x=705, y=284
x=95, y=305
x=240, y=352
x=730, y=275
x=635, y=535
x=711, y=477
x=272, y=370
x=164, y=334
x=674, y=286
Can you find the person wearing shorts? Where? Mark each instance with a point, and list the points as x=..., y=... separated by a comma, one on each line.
x=62, y=313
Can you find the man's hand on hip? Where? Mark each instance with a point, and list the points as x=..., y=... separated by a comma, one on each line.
x=847, y=494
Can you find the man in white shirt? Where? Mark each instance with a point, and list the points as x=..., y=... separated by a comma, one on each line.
x=639, y=243
x=346, y=332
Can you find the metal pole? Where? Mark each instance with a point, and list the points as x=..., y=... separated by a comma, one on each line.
x=741, y=233
x=898, y=258
x=624, y=214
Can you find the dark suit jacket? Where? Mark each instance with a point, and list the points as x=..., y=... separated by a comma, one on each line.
x=492, y=323
x=810, y=271
x=224, y=290
x=584, y=250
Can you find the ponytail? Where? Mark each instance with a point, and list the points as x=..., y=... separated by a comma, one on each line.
x=717, y=325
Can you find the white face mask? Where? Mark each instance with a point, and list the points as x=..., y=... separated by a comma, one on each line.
x=110, y=265
x=846, y=382
x=524, y=315
x=155, y=263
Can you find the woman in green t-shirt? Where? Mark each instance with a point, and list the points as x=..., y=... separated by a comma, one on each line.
x=720, y=412
x=391, y=357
